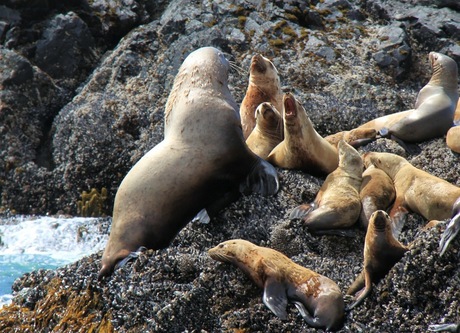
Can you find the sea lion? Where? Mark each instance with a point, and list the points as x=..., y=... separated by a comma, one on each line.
x=381, y=251
x=453, y=138
x=302, y=148
x=434, y=108
x=452, y=229
x=318, y=298
x=268, y=131
x=356, y=137
x=377, y=192
x=202, y=158
x=416, y=190
x=264, y=86
x=337, y=204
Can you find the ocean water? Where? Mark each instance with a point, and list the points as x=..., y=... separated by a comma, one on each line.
x=29, y=243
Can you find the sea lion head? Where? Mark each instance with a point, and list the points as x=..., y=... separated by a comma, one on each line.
x=293, y=111
x=263, y=73
x=380, y=221
x=349, y=158
x=229, y=251
x=204, y=68
x=269, y=119
x=389, y=163
x=445, y=70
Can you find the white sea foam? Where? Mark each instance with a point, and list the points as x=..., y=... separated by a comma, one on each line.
x=28, y=243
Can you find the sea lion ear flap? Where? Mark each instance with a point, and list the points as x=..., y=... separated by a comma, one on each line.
x=275, y=298
x=262, y=179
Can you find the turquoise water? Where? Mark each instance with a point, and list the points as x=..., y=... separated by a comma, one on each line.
x=30, y=243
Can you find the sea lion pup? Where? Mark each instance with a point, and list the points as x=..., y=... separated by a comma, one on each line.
x=453, y=138
x=381, y=251
x=302, y=148
x=318, y=298
x=264, y=86
x=434, y=108
x=377, y=192
x=356, y=137
x=268, y=131
x=202, y=158
x=337, y=204
x=452, y=229
x=416, y=190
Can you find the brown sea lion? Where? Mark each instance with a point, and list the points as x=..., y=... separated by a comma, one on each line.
x=318, y=298
x=202, y=158
x=302, y=148
x=337, y=204
x=453, y=138
x=377, y=192
x=264, y=86
x=434, y=109
x=356, y=137
x=381, y=251
x=416, y=190
x=268, y=131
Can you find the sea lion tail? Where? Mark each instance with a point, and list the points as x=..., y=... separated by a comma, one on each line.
x=262, y=179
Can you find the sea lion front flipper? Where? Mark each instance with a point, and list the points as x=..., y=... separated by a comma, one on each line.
x=202, y=217
x=312, y=321
x=453, y=328
x=275, y=297
x=129, y=257
x=262, y=179
x=452, y=229
x=364, y=292
x=302, y=211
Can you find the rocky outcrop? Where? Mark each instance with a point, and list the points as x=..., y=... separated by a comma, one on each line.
x=79, y=108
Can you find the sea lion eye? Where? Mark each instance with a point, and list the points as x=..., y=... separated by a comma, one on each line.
x=221, y=246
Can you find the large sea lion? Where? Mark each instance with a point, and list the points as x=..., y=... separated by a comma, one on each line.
x=381, y=251
x=318, y=298
x=416, y=190
x=377, y=192
x=302, y=148
x=337, y=204
x=264, y=86
x=202, y=158
x=268, y=131
x=434, y=108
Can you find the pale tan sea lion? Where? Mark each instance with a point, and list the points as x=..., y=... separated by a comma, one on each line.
x=268, y=131
x=355, y=137
x=202, y=158
x=337, y=204
x=264, y=86
x=434, y=108
x=381, y=252
x=318, y=298
x=416, y=190
x=302, y=148
x=453, y=138
x=377, y=193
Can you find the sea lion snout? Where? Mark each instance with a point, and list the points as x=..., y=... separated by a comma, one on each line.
x=380, y=219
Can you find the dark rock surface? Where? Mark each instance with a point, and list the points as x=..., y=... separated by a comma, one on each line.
x=80, y=117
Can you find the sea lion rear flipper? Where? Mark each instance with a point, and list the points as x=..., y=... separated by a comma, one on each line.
x=275, y=297
x=398, y=218
x=312, y=321
x=262, y=179
x=452, y=229
x=444, y=328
